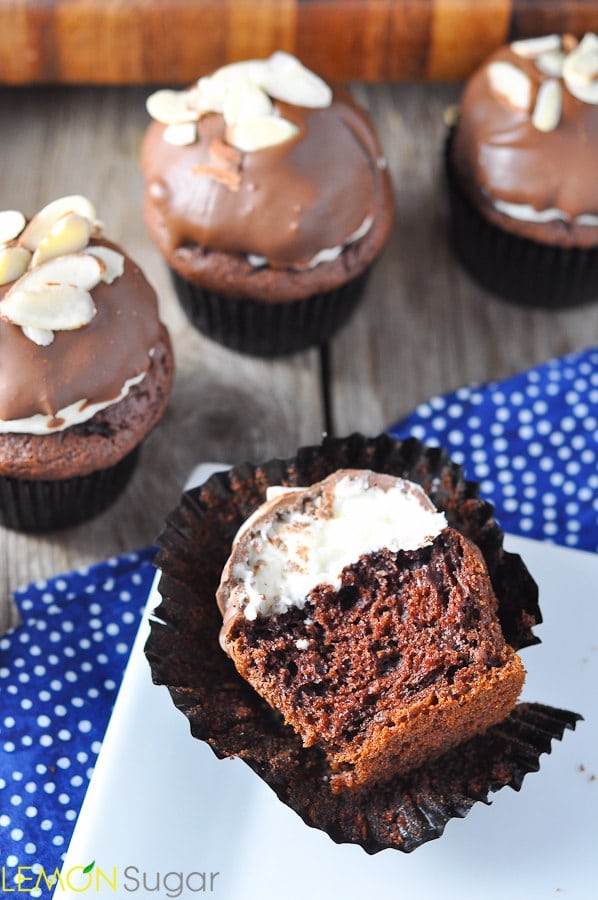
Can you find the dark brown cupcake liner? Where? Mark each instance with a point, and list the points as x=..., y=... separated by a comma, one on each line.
x=223, y=710
x=269, y=329
x=38, y=506
x=518, y=269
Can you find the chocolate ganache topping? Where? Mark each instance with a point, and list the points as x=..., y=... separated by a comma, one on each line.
x=526, y=142
x=84, y=363
x=289, y=204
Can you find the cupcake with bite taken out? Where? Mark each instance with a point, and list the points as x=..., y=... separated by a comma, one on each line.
x=362, y=592
x=521, y=166
x=86, y=366
x=268, y=195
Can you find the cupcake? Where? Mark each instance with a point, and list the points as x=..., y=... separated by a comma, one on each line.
x=354, y=610
x=521, y=166
x=86, y=366
x=268, y=195
x=332, y=764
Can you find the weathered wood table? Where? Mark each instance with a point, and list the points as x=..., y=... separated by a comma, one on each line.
x=424, y=328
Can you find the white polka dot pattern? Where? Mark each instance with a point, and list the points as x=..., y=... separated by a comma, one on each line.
x=59, y=674
x=531, y=442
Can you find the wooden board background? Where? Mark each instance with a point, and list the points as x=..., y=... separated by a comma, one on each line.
x=424, y=327
x=174, y=41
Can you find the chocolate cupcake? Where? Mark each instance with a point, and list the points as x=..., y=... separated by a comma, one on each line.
x=354, y=610
x=406, y=809
x=268, y=195
x=521, y=166
x=86, y=366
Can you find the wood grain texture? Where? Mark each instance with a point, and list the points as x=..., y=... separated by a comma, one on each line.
x=157, y=42
x=426, y=328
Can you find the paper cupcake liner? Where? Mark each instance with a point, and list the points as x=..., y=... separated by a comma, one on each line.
x=223, y=710
x=518, y=269
x=269, y=329
x=37, y=506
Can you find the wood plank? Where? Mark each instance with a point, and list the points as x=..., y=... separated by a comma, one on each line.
x=224, y=406
x=149, y=41
x=425, y=327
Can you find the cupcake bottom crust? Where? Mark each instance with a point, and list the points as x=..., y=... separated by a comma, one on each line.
x=100, y=443
x=508, y=258
x=269, y=329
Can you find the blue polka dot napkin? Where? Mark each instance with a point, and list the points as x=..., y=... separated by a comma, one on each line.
x=532, y=443
x=59, y=674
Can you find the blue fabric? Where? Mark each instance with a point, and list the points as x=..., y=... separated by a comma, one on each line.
x=532, y=443
x=59, y=675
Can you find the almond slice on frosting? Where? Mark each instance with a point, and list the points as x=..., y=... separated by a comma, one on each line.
x=244, y=100
x=12, y=223
x=510, y=84
x=580, y=70
x=170, y=107
x=260, y=132
x=112, y=259
x=549, y=103
x=80, y=270
x=288, y=80
x=53, y=307
x=551, y=63
x=69, y=234
x=529, y=48
x=40, y=336
x=40, y=225
x=180, y=134
x=13, y=263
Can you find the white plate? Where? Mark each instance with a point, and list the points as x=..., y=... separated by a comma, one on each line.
x=160, y=802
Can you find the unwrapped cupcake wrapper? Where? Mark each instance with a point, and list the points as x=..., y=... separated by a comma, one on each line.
x=223, y=710
x=38, y=505
x=269, y=329
x=518, y=269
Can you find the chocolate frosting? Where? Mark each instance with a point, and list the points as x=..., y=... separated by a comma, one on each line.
x=285, y=203
x=91, y=363
x=498, y=154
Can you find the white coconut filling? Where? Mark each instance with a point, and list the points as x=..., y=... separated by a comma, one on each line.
x=525, y=212
x=73, y=414
x=328, y=254
x=295, y=552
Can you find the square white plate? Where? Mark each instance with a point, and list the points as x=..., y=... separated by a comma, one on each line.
x=160, y=802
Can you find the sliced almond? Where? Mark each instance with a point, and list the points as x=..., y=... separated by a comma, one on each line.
x=580, y=70
x=69, y=234
x=12, y=223
x=77, y=269
x=13, y=263
x=510, y=84
x=170, y=107
x=288, y=80
x=54, y=307
x=40, y=336
x=209, y=93
x=551, y=63
x=260, y=132
x=112, y=259
x=181, y=134
x=244, y=100
x=549, y=104
x=40, y=225
x=532, y=47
